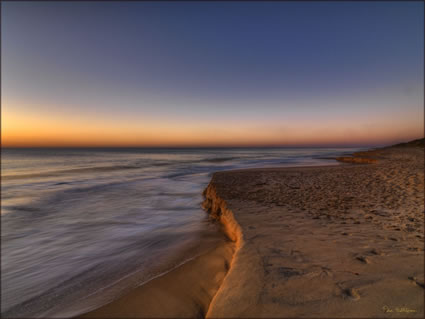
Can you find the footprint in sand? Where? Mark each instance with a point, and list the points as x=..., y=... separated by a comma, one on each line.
x=363, y=259
x=417, y=281
x=376, y=252
x=352, y=293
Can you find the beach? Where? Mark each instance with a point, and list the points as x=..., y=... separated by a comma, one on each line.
x=212, y=159
x=331, y=241
x=344, y=241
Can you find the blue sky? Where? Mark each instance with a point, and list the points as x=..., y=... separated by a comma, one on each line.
x=170, y=71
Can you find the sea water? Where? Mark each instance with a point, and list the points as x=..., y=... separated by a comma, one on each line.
x=81, y=226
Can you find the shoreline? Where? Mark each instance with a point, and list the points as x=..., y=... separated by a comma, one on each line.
x=236, y=292
x=185, y=291
x=182, y=292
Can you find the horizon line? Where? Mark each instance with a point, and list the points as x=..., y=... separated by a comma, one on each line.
x=217, y=146
x=191, y=146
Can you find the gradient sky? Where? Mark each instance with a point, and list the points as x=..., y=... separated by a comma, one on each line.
x=212, y=73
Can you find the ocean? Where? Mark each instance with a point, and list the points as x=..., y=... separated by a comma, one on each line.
x=80, y=227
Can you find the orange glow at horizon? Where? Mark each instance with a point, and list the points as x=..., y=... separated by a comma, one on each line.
x=21, y=129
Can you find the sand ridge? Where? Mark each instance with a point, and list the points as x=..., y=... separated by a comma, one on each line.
x=184, y=292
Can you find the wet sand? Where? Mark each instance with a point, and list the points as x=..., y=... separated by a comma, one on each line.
x=184, y=292
x=335, y=241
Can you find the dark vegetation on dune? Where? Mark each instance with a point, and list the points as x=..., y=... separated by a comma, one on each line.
x=415, y=143
x=370, y=157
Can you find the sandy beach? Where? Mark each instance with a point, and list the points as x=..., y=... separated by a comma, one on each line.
x=335, y=241
x=185, y=292
x=212, y=159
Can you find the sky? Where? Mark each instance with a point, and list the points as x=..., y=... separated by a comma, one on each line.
x=211, y=73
